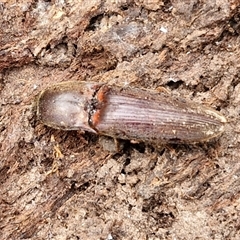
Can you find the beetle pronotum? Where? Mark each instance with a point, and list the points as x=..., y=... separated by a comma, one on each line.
x=127, y=113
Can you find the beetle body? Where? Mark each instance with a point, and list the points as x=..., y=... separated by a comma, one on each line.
x=127, y=113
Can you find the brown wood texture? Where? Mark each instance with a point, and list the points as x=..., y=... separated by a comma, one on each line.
x=73, y=185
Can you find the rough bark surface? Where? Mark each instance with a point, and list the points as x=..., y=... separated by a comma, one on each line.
x=73, y=185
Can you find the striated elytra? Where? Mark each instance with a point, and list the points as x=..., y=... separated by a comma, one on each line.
x=127, y=113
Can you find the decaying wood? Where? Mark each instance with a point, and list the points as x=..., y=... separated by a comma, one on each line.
x=69, y=185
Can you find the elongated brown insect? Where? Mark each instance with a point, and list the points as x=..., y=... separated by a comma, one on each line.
x=127, y=113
